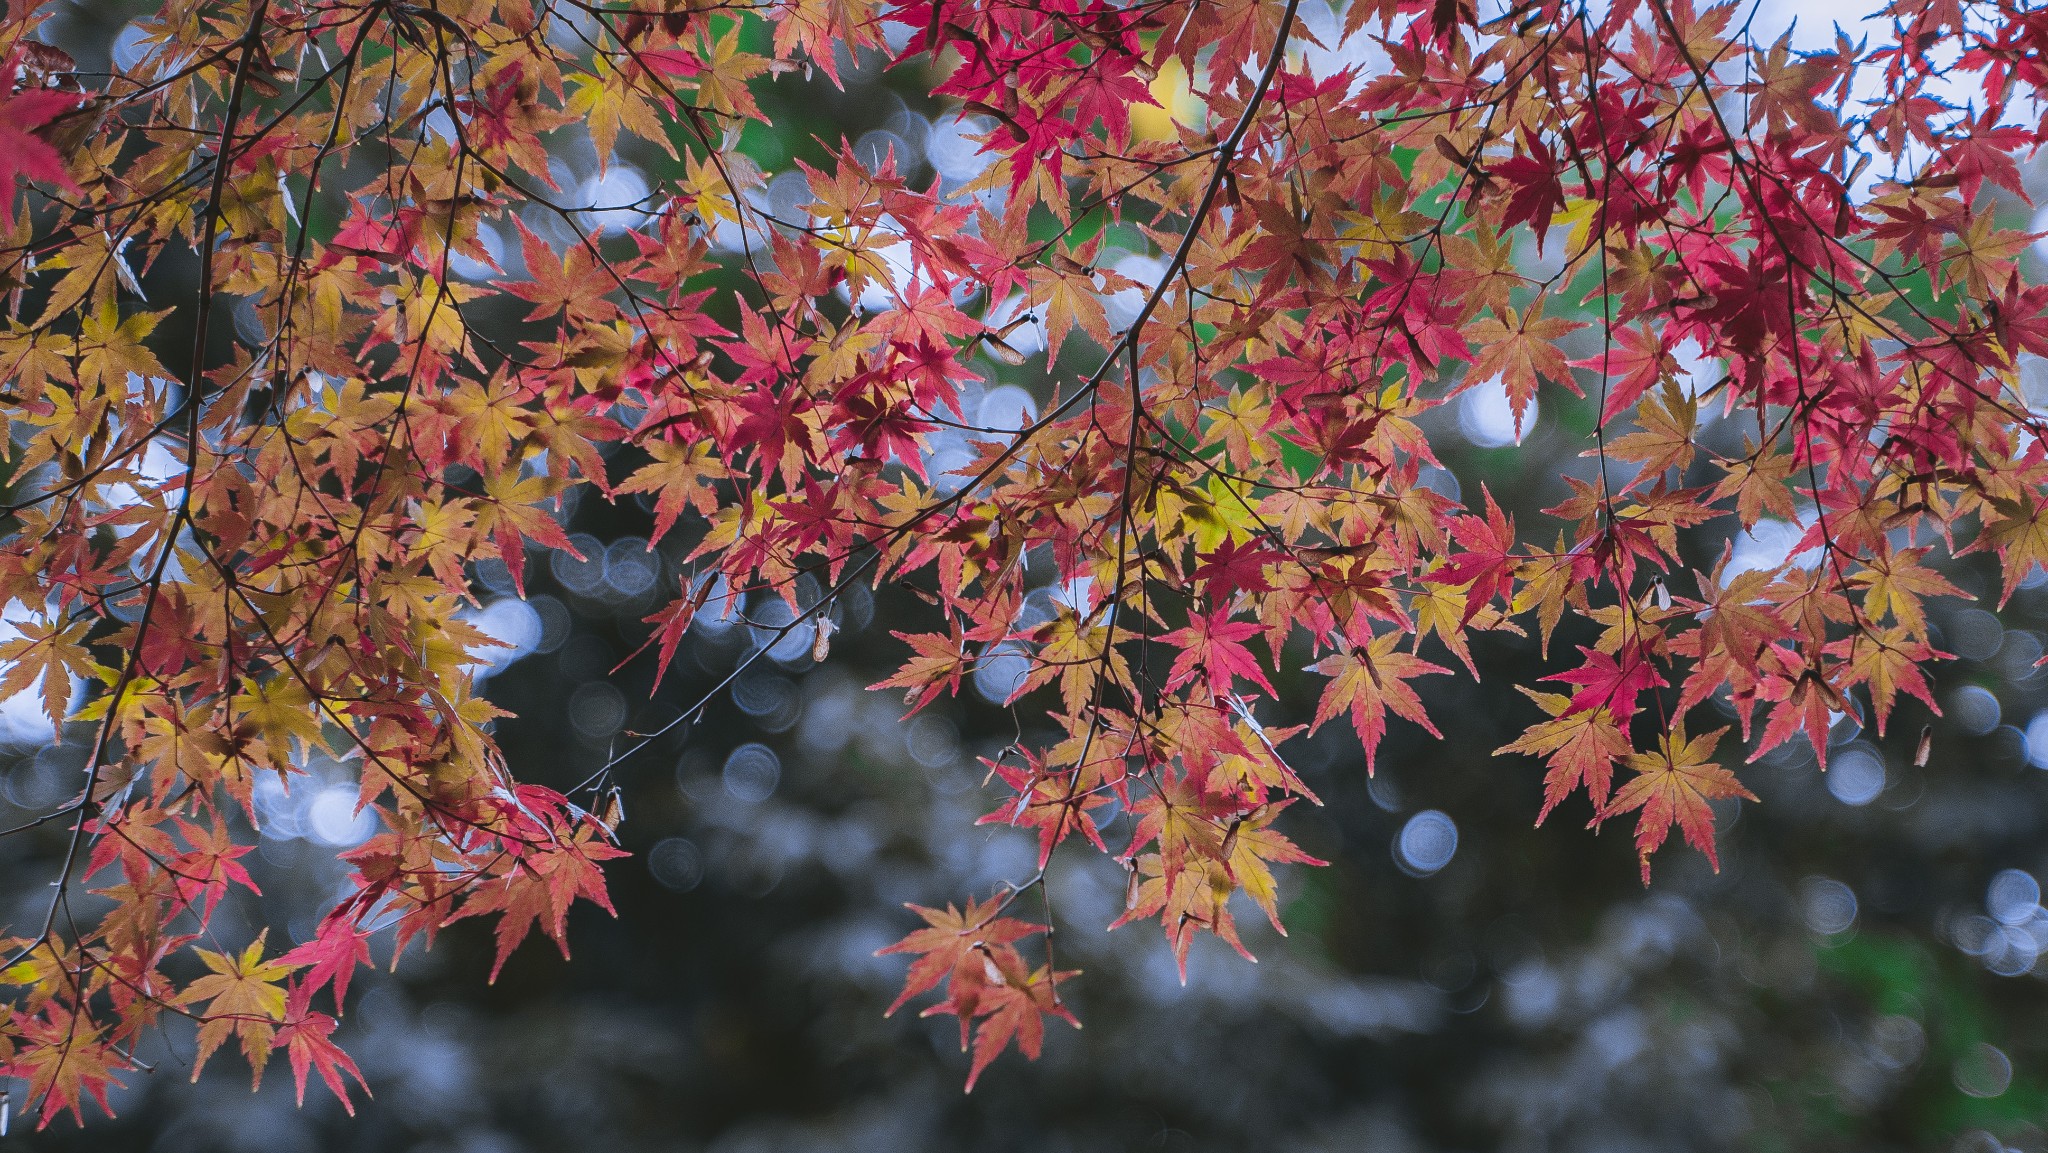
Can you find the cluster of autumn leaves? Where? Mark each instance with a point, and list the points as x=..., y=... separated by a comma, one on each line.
x=249, y=558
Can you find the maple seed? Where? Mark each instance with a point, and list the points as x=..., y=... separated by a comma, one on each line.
x=1658, y=594
x=1925, y=749
x=1002, y=350
x=989, y=971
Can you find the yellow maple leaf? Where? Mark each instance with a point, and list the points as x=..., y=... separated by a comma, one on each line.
x=248, y=1001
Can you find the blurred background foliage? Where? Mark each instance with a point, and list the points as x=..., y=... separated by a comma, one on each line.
x=1863, y=973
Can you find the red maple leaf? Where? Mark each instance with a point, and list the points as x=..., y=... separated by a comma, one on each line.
x=1632, y=363
x=1537, y=193
x=23, y=154
x=331, y=956
x=1606, y=682
x=308, y=1042
x=1485, y=560
x=1052, y=802
x=1212, y=650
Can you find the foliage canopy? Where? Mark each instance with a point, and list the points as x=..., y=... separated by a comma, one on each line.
x=242, y=528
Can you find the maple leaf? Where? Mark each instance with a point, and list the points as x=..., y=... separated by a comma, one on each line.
x=1212, y=651
x=1439, y=611
x=1081, y=653
x=1674, y=786
x=24, y=154
x=935, y=669
x=1611, y=683
x=973, y=954
x=1887, y=661
x=573, y=284
x=65, y=1059
x=1552, y=582
x=1631, y=363
x=1484, y=564
x=1758, y=482
x=1985, y=153
x=1580, y=746
x=1187, y=899
x=1736, y=616
x=307, y=1041
x=680, y=480
x=1369, y=682
x=1894, y=584
x=1518, y=350
x=210, y=867
x=1784, y=88
x=1054, y=803
x=1234, y=566
x=1537, y=193
x=1665, y=441
x=511, y=518
x=282, y=711
x=330, y=958
x=674, y=619
x=49, y=655
x=114, y=349
x=247, y=998
x=1807, y=701
x=1183, y=822
x=1069, y=300
x=1982, y=255
x=1016, y=1010
x=2020, y=538
x=538, y=885
x=1250, y=847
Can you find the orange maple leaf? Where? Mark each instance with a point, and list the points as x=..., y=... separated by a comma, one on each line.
x=1673, y=786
